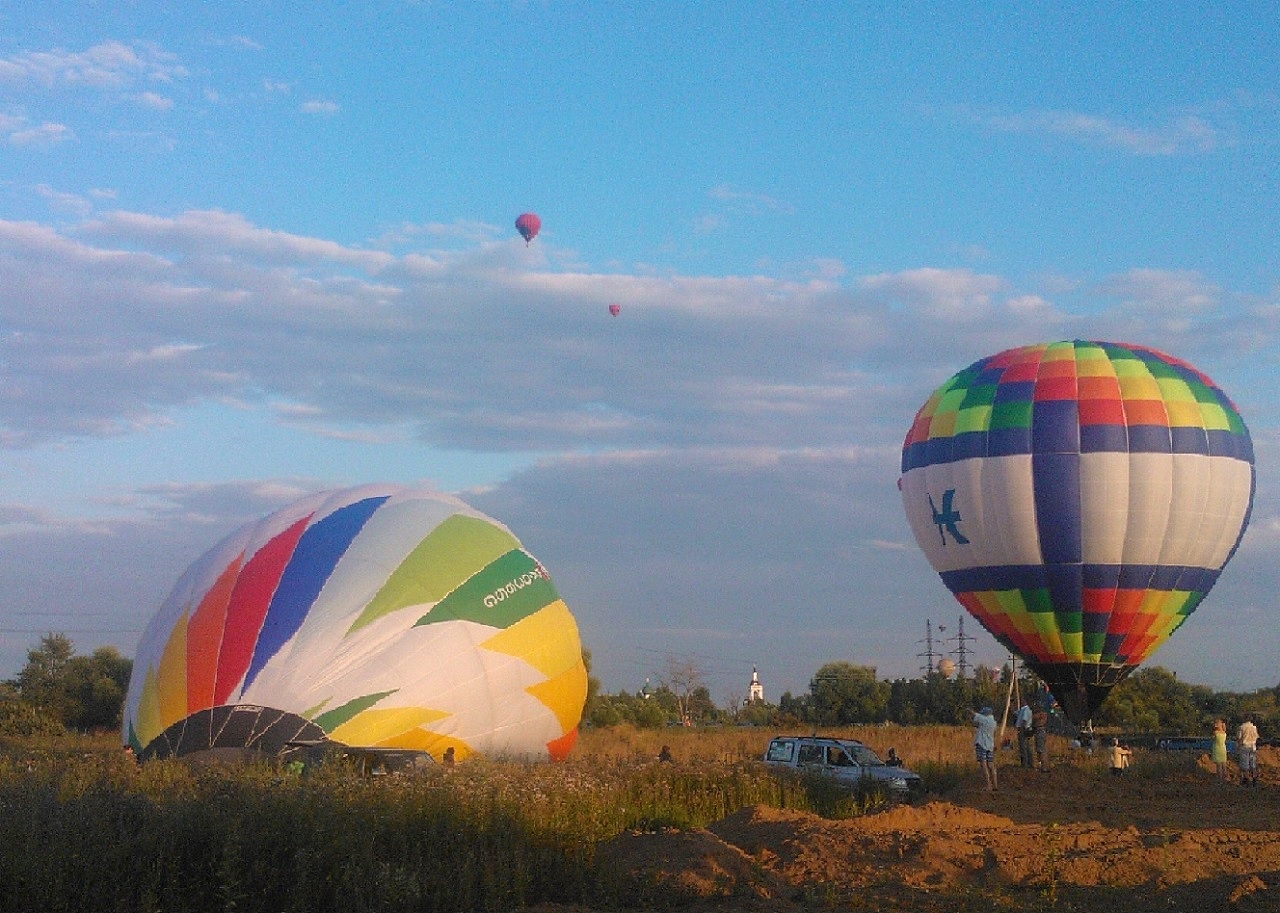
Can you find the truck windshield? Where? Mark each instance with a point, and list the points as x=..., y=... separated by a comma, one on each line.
x=864, y=755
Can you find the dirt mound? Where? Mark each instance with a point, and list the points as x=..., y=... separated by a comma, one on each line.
x=1070, y=838
x=685, y=866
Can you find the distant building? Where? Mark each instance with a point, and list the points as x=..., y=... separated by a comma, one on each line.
x=755, y=690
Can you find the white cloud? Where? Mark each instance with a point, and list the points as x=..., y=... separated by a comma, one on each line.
x=155, y=101
x=113, y=71
x=827, y=268
x=464, y=231
x=130, y=315
x=1181, y=292
x=68, y=202
x=243, y=41
x=707, y=223
x=319, y=106
x=106, y=66
x=1182, y=134
x=747, y=202
x=733, y=207
x=226, y=233
x=943, y=296
x=41, y=135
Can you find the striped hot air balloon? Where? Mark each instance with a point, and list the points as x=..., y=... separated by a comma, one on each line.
x=1079, y=499
x=379, y=616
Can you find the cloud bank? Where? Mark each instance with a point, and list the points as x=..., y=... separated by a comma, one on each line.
x=711, y=472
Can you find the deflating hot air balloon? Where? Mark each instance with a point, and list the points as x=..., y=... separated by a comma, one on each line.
x=378, y=616
x=1079, y=499
x=528, y=224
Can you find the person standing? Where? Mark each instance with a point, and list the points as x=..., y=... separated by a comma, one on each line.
x=1040, y=732
x=1219, y=752
x=1119, y=758
x=1247, y=751
x=984, y=745
x=1022, y=722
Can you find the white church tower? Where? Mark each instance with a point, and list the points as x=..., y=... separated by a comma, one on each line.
x=755, y=691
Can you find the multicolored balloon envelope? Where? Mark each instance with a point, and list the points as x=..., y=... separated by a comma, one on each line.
x=1079, y=499
x=378, y=616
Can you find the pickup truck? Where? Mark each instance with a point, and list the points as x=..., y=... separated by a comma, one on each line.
x=846, y=760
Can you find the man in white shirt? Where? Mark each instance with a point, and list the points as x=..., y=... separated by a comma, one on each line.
x=984, y=745
x=1247, y=757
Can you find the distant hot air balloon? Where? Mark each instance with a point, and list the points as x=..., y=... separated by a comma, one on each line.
x=946, y=668
x=528, y=224
x=614, y=310
x=1079, y=499
x=378, y=616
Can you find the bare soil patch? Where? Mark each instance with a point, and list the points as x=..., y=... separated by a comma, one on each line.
x=1074, y=838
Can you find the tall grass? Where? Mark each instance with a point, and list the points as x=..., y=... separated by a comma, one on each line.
x=82, y=828
x=915, y=744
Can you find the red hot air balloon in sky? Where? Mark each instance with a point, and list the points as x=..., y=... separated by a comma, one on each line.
x=528, y=224
x=614, y=309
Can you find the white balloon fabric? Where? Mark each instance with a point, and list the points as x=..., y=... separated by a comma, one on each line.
x=1079, y=499
x=378, y=616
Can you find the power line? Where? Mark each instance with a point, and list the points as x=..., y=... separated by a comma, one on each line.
x=43, y=631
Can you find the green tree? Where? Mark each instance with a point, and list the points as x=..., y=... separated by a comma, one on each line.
x=987, y=689
x=648, y=712
x=702, y=709
x=41, y=681
x=593, y=685
x=757, y=713
x=1153, y=700
x=795, y=709
x=82, y=692
x=934, y=699
x=682, y=678
x=847, y=694
x=21, y=719
x=95, y=688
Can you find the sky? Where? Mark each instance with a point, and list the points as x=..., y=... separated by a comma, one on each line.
x=250, y=251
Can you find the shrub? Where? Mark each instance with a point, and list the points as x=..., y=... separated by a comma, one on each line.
x=19, y=719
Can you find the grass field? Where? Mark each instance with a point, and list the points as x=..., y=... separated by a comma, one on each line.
x=85, y=829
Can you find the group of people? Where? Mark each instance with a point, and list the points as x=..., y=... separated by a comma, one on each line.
x=1033, y=741
x=1033, y=736
x=1246, y=750
x=1032, y=726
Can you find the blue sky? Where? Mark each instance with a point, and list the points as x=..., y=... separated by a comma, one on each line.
x=252, y=250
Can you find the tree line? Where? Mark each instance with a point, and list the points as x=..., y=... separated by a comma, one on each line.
x=59, y=690
x=1150, y=701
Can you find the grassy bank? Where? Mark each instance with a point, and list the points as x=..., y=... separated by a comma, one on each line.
x=85, y=829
